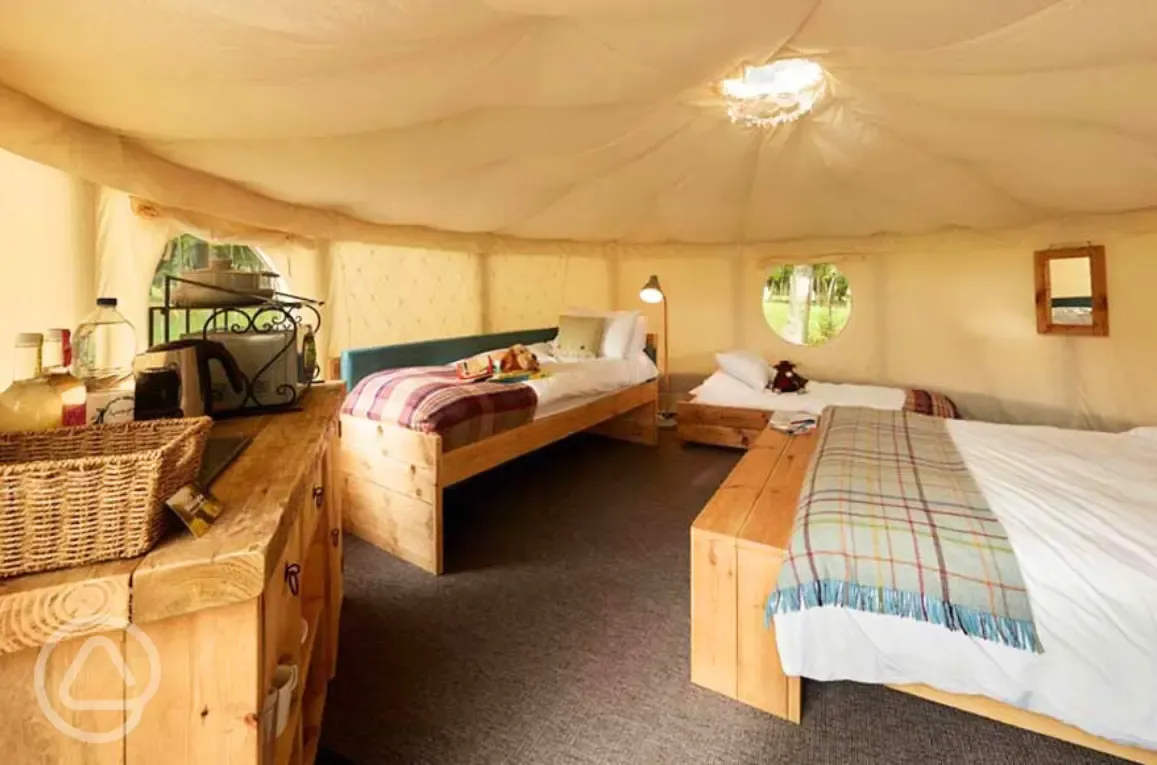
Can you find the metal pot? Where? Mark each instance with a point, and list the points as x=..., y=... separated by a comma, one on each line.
x=244, y=287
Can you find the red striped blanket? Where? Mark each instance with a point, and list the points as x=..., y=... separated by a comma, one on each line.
x=434, y=400
x=932, y=404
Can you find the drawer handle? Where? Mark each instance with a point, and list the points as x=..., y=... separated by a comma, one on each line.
x=293, y=578
x=318, y=495
x=335, y=537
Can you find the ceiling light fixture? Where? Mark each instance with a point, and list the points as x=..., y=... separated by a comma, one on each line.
x=774, y=93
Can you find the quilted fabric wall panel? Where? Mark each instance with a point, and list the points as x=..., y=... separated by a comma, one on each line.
x=381, y=295
x=529, y=291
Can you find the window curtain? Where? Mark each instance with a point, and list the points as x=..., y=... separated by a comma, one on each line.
x=132, y=235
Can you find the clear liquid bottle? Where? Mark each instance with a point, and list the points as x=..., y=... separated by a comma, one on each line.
x=103, y=349
x=57, y=358
x=104, y=343
x=30, y=403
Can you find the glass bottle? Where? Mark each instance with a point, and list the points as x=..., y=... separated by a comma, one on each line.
x=30, y=403
x=103, y=349
x=57, y=358
x=104, y=344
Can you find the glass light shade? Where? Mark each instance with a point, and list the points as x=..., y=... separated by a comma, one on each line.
x=651, y=292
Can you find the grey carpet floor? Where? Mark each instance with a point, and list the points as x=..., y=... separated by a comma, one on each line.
x=560, y=635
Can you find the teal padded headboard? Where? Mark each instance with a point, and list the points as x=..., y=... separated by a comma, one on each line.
x=360, y=362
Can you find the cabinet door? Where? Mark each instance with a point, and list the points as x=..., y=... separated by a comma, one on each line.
x=336, y=557
x=281, y=639
x=210, y=690
x=313, y=501
x=281, y=604
x=27, y=735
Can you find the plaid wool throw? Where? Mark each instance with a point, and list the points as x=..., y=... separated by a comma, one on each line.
x=434, y=400
x=891, y=521
x=927, y=402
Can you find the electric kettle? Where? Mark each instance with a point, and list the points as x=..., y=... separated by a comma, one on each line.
x=190, y=358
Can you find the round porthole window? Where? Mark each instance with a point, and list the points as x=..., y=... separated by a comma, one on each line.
x=807, y=304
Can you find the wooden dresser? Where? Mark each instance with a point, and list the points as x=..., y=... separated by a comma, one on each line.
x=168, y=658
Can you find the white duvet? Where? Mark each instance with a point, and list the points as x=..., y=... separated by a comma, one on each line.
x=571, y=382
x=1080, y=510
x=721, y=389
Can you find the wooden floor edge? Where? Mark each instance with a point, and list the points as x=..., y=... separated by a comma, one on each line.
x=1032, y=721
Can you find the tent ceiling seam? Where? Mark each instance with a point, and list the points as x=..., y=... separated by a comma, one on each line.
x=646, y=153
x=1041, y=211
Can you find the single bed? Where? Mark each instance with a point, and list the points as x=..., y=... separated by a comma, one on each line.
x=393, y=477
x=724, y=411
x=1080, y=512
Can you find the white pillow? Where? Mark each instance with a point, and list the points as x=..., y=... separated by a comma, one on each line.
x=618, y=333
x=638, y=342
x=745, y=366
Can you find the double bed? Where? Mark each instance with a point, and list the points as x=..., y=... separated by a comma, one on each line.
x=396, y=461
x=1080, y=512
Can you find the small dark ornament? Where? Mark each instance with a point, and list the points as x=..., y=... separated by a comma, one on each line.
x=787, y=380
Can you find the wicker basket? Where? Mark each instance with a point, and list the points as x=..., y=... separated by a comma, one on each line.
x=75, y=496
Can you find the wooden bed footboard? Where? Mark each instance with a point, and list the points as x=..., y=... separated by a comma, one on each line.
x=738, y=544
x=393, y=478
x=392, y=495
x=719, y=425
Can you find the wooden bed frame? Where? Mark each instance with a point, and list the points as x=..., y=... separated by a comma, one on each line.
x=730, y=426
x=393, y=478
x=738, y=544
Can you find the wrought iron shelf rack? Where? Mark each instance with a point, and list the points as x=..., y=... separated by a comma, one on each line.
x=263, y=313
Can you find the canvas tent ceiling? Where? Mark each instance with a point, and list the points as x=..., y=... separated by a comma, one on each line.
x=589, y=121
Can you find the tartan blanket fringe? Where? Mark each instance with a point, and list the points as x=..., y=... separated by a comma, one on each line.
x=1015, y=633
x=891, y=521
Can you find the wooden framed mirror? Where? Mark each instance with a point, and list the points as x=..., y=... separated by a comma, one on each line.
x=1071, y=291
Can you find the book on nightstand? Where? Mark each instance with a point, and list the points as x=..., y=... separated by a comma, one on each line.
x=792, y=422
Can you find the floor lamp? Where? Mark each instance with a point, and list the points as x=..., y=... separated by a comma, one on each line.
x=653, y=293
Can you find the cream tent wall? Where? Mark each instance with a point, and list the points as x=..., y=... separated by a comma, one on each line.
x=951, y=312
x=47, y=251
x=954, y=313
x=64, y=241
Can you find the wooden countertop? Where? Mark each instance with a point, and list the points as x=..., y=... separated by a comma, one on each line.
x=262, y=491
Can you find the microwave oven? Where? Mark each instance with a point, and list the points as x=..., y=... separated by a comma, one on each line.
x=275, y=376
